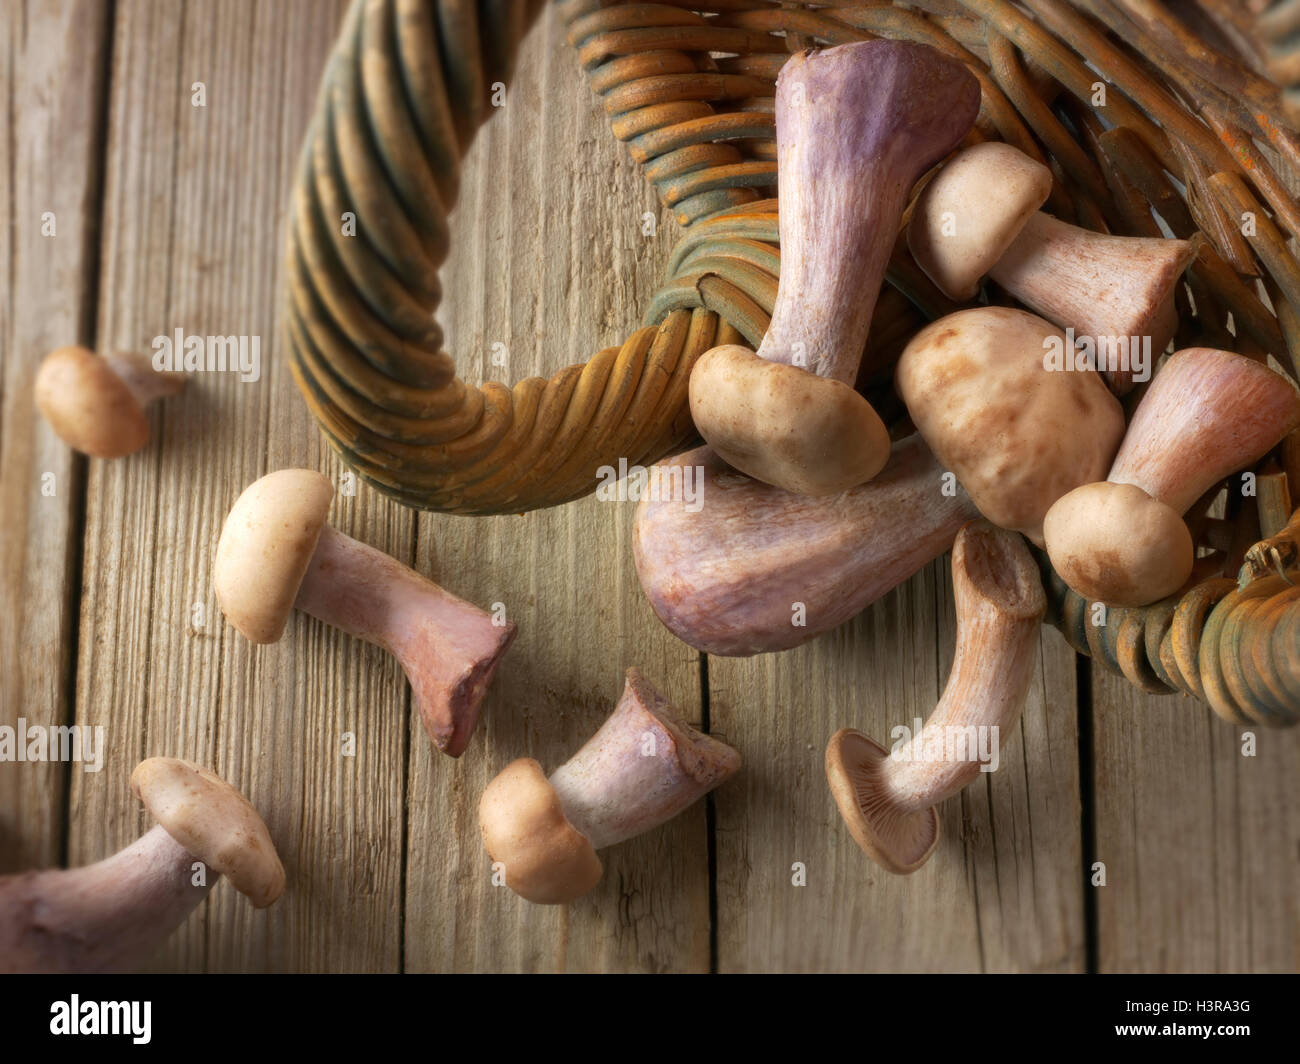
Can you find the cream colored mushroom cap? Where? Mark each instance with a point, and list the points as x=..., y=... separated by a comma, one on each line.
x=547, y=860
x=89, y=406
x=972, y=211
x=1016, y=434
x=266, y=545
x=1114, y=543
x=214, y=822
x=783, y=425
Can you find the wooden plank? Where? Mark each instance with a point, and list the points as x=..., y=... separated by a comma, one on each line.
x=549, y=259
x=1001, y=892
x=1201, y=843
x=52, y=68
x=194, y=201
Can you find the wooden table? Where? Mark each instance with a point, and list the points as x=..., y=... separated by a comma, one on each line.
x=170, y=215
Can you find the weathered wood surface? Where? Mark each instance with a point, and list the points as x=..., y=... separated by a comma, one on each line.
x=1200, y=842
x=1002, y=891
x=552, y=264
x=193, y=203
x=51, y=130
x=385, y=867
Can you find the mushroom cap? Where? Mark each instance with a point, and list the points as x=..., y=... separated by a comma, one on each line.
x=785, y=426
x=1016, y=434
x=266, y=545
x=547, y=860
x=88, y=405
x=971, y=211
x=898, y=840
x=214, y=822
x=1114, y=543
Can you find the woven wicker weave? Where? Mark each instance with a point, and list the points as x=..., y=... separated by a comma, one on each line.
x=1186, y=132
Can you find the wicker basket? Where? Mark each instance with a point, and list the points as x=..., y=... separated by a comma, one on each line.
x=1188, y=132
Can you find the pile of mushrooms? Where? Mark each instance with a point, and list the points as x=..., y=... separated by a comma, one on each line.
x=979, y=217
x=811, y=511
x=1014, y=432
x=776, y=556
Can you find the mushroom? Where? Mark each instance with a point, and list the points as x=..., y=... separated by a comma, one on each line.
x=856, y=125
x=979, y=215
x=1207, y=414
x=642, y=768
x=889, y=799
x=109, y=915
x=96, y=405
x=277, y=552
x=754, y=568
x=1017, y=434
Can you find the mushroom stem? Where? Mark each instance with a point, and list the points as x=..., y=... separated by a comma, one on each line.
x=97, y=405
x=979, y=215
x=1116, y=290
x=107, y=915
x=889, y=799
x=641, y=768
x=754, y=569
x=856, y=126
x=101, y=917
x=448, y=648
x=141, y=379
x=1207, y=414
x=999, y=603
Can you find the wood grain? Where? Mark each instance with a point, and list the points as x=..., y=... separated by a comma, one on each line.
x=1001, y=892
x=386, y=870
x=52, y=71
x=1201, y=843
x=552, y=263
x=194, y=202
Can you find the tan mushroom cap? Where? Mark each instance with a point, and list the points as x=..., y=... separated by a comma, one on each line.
x=1114, y=543
x=785, y=426
x=1017, y=434
x=972, y=211
x=88, y=405
x=266, y=545
x=899, y=840
x=547, y=860
x=214, y=822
